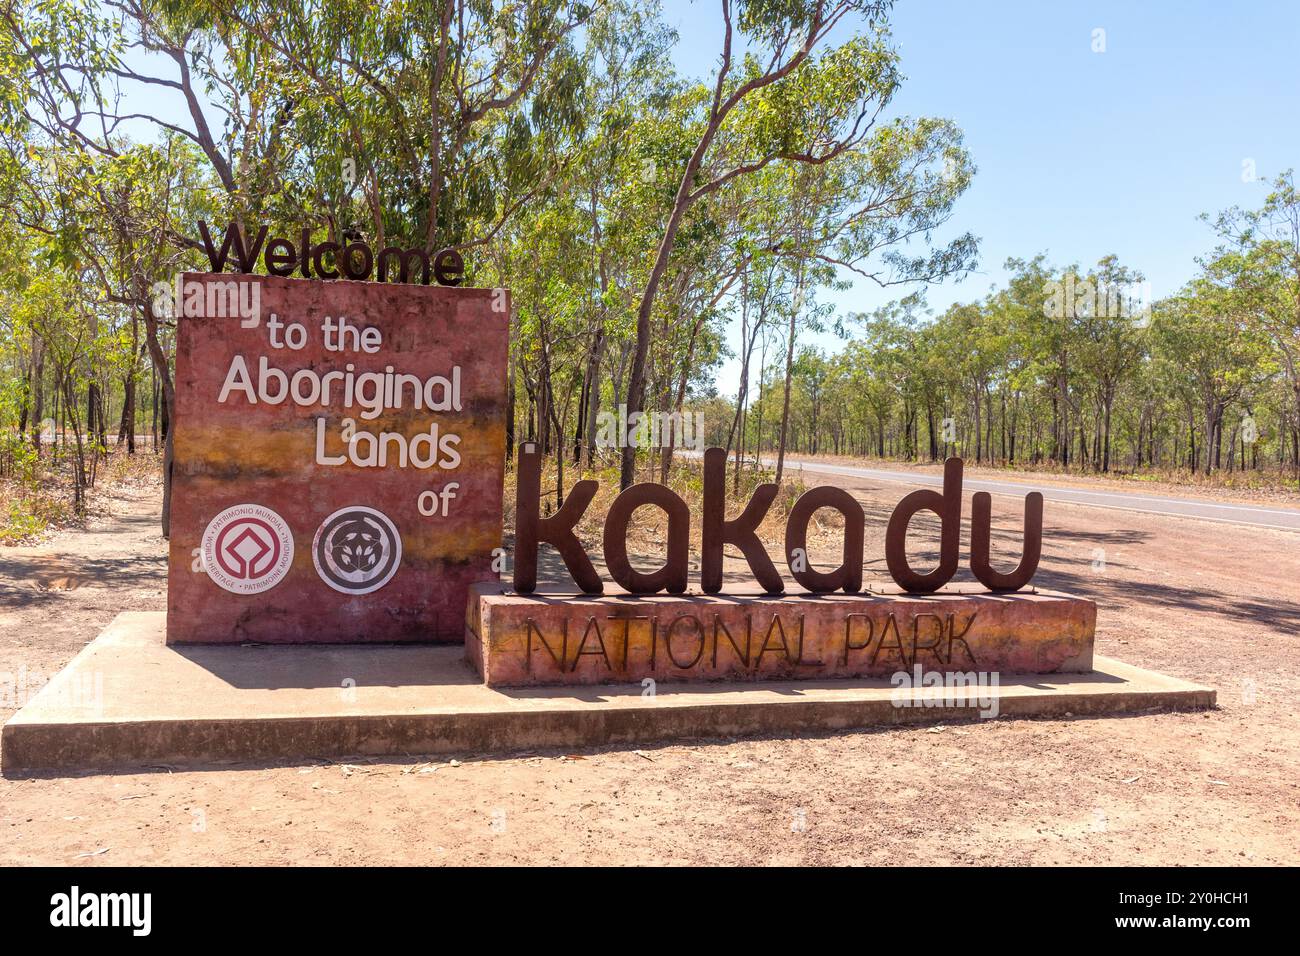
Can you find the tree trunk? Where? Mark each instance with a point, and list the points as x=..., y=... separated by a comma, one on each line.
x=79, y=451
x=126, y=428
x=593, y=398
x=1105, y=442
x=785, y=401
x=168, y=407
x=38, y=392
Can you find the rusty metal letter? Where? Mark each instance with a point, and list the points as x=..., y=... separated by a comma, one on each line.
x=531, y=528
x=670, y=577
x=849, y=574
x=948, y=507
x=718, y=531
x=981, y=521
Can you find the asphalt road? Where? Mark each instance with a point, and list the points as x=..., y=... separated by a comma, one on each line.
x=1258, y=516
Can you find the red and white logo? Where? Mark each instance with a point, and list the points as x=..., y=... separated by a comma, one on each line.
x=247, y=549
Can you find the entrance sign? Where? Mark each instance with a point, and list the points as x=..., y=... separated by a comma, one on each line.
x=654, y=629
x=339, y=457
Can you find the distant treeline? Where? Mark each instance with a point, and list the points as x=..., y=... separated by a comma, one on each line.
x=1204, y=380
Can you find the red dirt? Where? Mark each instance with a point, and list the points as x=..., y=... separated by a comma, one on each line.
x=1204, y=601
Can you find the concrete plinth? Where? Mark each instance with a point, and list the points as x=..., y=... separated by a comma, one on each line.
x=517, y=640
x=130, y=700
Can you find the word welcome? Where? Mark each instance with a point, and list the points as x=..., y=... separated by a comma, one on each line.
x=531, y=529
x=351, y=260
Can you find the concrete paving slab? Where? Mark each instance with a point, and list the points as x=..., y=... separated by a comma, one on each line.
x=128, y=700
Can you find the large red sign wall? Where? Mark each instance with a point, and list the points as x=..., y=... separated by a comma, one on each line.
x=339, y=454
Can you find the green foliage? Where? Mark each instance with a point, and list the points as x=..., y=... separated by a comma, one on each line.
x=638, y=217
x=20, y=524
x=1066, y=368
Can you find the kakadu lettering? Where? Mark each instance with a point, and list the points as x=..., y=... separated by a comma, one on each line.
x=741, y=532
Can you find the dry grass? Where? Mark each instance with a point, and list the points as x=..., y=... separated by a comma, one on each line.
x=34, y=509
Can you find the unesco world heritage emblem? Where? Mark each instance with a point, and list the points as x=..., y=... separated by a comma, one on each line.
x=357, y=550
x=247, y=549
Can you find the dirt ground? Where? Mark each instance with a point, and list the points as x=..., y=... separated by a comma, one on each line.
x=1204, y=601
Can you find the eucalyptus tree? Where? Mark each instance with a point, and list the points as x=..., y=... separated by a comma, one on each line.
x=629, y=80
x=1049, y=321
x=784, y=100
x=437, y=121
x=761, y=290
x=1261, y=253
x=888, y=369
x=86, y=81
x=1112, y=332
x=1208, y=337
x=46, y=298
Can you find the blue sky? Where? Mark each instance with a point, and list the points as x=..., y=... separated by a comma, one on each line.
x=1081, y=154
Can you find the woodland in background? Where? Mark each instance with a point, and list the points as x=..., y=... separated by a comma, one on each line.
x=1204, y=381
x=642, y=220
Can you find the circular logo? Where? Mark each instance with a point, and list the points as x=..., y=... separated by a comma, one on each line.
x=247, y=549
x=356, y=550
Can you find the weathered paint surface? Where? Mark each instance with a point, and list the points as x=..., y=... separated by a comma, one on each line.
x=521, y=640
x=236, y=453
